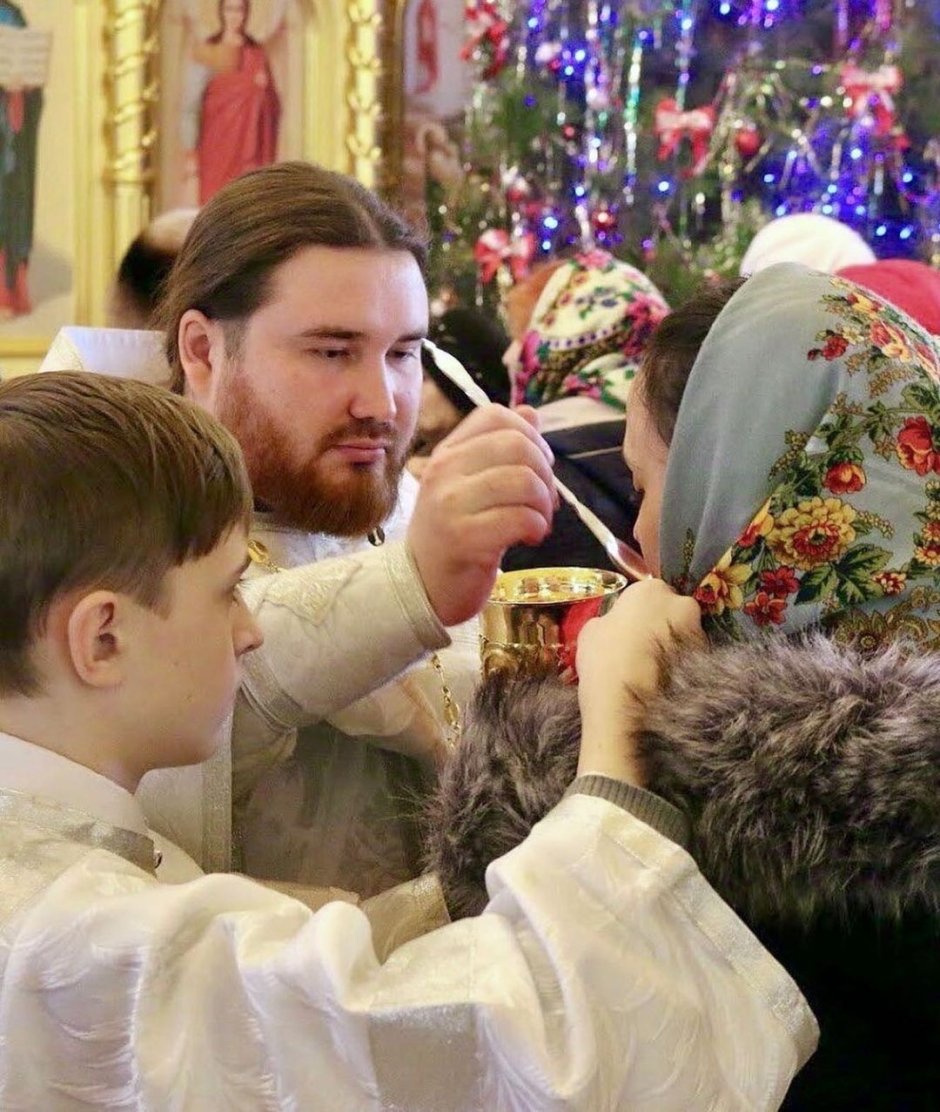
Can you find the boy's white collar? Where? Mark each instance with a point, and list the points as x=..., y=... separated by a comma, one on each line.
x=33, y=770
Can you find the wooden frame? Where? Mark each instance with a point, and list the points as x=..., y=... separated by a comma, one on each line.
x=393, y=85
x=411, y=113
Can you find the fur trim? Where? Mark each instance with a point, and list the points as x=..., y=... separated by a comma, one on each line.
x=811, y=775
x=518, y=754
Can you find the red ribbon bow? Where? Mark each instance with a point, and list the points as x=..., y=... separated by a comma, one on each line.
x=494, y=248
x=672, y=126
x=875, y=90
x=486, y=28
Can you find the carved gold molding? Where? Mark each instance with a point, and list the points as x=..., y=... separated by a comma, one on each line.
x=363, y=89
x=115, y=46
x=131, y=84
x=341, y=44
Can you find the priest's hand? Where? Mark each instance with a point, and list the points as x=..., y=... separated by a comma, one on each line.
x=619, y=660
x=487, y=486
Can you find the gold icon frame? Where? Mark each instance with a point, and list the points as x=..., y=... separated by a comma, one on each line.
x=116, y=51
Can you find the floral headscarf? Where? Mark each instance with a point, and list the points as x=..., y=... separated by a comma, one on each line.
x=912, y=286
x=803, y=482
x=587, y=332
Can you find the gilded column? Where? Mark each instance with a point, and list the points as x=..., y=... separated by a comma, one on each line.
x=132, y=87
x=363, y=89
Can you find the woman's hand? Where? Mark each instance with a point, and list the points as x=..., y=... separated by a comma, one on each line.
x=618, y=664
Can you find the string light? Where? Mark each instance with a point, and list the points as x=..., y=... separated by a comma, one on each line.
x=791, y=134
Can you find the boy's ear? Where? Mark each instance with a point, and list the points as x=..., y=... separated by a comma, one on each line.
x=95, y=637
x=201, y=344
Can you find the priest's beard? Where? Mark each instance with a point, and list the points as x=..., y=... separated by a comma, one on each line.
x=299, y=493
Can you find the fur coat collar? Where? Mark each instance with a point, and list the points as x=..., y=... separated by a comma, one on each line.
x=811, y=775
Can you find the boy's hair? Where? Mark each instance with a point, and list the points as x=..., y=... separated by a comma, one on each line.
x=255, y=224
x=104, y=483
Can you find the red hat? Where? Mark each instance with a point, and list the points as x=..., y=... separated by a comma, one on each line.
x=912, y=286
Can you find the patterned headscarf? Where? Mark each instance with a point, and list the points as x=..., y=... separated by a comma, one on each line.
x=803, y=480
x=911, y=285
x=587, y=332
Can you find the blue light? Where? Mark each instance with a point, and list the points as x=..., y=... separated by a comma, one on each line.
x=688, y=24
x=724, y=9
x=772, y=5
x=881, y=230
x=769, y=179
x=859, y=210
x=579, y=191
x=781, y=210
x=546, y=245
x=663, y=187
x=855, y=154
x=827, y=210
x=832, y=188
x=550, y=222
x=580, y=55
x=907, y=177
x=533, y=23
x=906, y=233
x=529, y=102
x=568, y=71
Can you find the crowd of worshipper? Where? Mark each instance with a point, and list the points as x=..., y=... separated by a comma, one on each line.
x=271, y=838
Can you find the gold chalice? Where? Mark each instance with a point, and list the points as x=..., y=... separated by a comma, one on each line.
x=533, y=617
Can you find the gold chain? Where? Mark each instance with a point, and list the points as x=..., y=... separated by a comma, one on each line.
x=259, y=554
x=451, y=706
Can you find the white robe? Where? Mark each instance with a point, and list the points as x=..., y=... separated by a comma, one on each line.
x=337, y=722
x=342, y=629
x=337, y=805
x=605, y=974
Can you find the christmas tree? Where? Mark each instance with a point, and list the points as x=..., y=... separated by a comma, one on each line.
x=669, y=132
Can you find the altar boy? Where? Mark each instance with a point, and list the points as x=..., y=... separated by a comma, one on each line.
x=604, y=974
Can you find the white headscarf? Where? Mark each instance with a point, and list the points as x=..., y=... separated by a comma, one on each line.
x=816, y=241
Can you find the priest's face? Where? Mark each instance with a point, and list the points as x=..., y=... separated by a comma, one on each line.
x=321, y=386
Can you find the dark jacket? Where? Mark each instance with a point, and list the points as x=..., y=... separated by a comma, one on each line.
x=589, y=461
x=811, y=776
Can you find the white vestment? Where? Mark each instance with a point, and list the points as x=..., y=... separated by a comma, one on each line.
x=605, y=974
x=338, y=807
x=332, y=804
